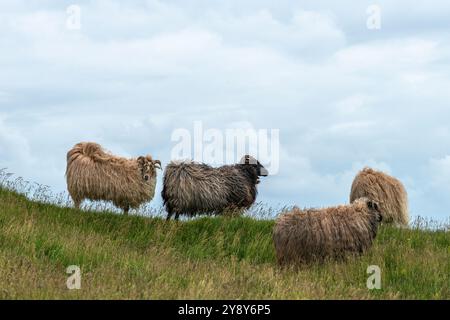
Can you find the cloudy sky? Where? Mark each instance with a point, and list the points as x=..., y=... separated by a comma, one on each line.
x=341, y=95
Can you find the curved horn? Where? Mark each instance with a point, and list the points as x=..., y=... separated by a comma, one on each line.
x=157, y=164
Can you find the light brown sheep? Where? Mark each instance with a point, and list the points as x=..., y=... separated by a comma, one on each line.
x=387, y=191
x=315, y=235
x=95, y=174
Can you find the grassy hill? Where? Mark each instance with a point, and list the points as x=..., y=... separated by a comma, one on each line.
x=208, y=258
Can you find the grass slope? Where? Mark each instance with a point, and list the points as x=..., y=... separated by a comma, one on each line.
x=208, y=258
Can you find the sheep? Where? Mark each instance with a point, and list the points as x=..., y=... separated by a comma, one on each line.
x=316, y=235
x=385, y=190
x=95, y=174
x=191, y=188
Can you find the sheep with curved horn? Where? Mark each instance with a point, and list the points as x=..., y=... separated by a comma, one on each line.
x=95, y=174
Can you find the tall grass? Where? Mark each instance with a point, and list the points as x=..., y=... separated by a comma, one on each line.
x=141, y=257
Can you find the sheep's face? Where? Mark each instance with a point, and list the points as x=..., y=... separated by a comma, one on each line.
x=148, y=167
x=373, y=206
x=260, y=170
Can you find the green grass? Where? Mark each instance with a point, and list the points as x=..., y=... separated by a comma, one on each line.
x=207, y=258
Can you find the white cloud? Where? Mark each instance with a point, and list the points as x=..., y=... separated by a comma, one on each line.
x=304, y=34
x=382, y=56
x=342, y=96
x=354, y=104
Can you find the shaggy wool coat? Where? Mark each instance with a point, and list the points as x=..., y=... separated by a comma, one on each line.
x=192, y=188
x=314, y=235
x=95, y=174
x=387, y=191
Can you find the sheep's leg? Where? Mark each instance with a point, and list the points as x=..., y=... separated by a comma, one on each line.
x=77, y=203
x=177, y=216
x=169, y=215
x=126, y=210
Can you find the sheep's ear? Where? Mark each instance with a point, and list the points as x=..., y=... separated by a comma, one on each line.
x=141, y=161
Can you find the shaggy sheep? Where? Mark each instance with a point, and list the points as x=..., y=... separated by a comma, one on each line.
x=385, y=190
x=95, y=174
x=191, y=188
x=314, y=235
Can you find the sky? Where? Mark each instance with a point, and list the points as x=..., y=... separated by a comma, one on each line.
x=129, y=74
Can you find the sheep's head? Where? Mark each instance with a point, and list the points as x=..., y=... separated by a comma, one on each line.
x=248, y=160
x=148, y=167
x=373, y=206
